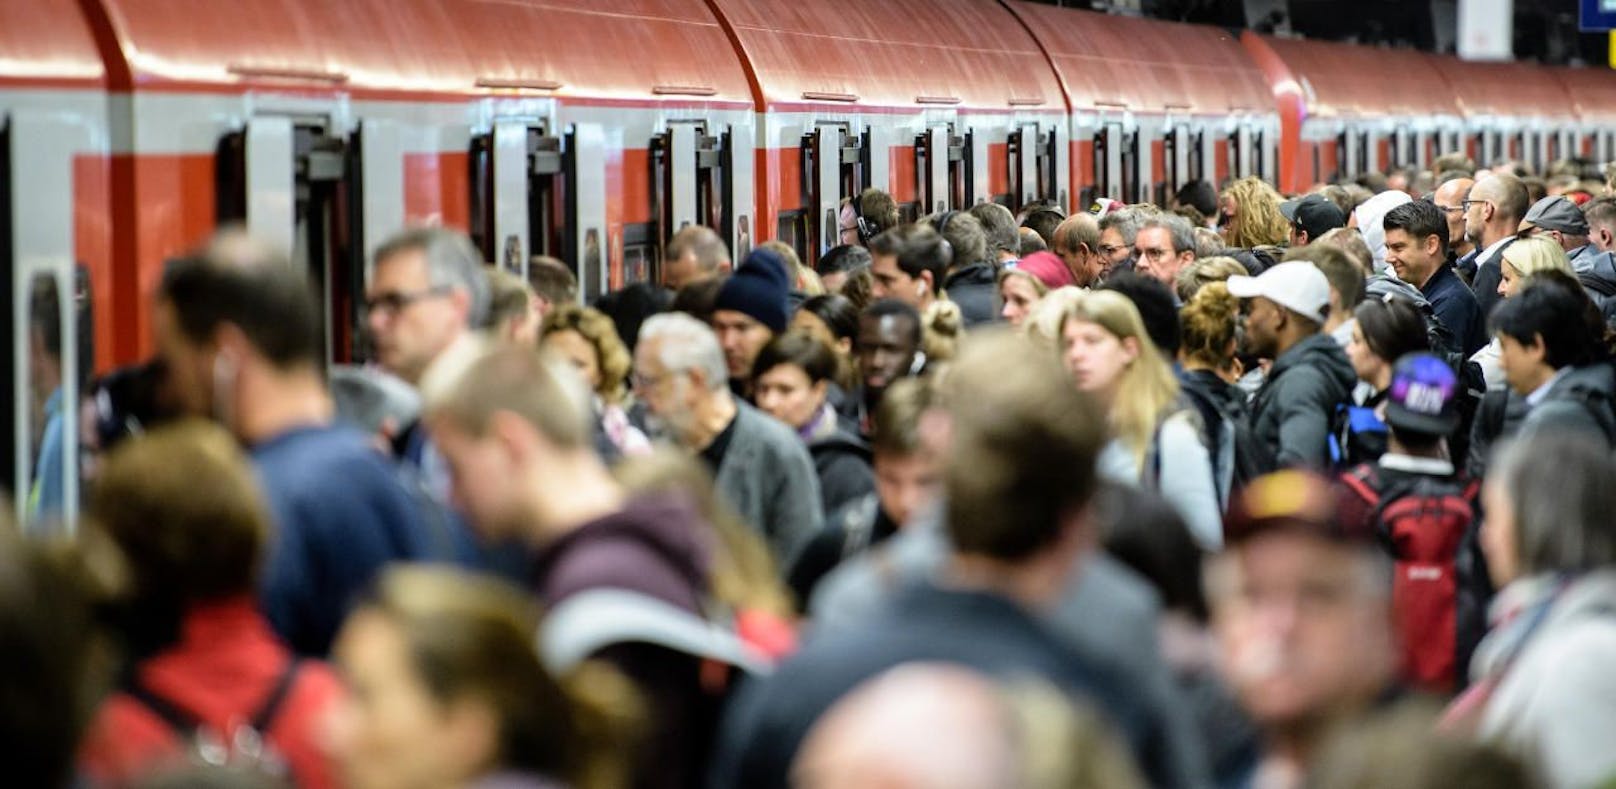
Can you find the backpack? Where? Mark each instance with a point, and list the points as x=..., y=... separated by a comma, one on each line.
x=1428, y=525
x=1357, y=435
x=250, y=746
x=1233, y=450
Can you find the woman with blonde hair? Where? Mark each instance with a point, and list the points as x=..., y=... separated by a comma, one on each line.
x=1251, y=215
x=1519, y=262
x=1019, y=292
x=1157, y=444
x=588, y=340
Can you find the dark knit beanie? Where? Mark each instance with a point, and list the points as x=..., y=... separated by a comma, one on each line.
x=760, y=288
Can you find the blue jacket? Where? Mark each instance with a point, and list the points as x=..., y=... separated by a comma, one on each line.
x=340, y=514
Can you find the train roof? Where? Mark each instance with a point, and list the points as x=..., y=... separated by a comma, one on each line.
x=47, y=45
x=1506, y=89
x=1335, y=80
x=1146, y=65
x=890, y=54
x=633, y=50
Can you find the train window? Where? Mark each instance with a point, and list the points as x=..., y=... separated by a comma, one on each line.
x=641, y=263
x=792, y=229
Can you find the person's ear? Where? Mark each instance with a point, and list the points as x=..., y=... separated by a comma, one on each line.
x=1537, y=349
x=1130, y=348
x=927, y=282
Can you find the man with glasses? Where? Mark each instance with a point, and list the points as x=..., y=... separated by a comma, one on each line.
x=760, y=467
x=1449, y=199
x=1162, y=247
x=428, y=291
x=1117, y=234
x=1492, y=215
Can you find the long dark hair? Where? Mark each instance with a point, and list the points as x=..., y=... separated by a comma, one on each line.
x=1392, y=327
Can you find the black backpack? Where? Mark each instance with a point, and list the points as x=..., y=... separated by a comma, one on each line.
x=249, y=746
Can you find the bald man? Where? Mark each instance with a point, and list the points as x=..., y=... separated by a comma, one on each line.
x=1449, y=199
x=1493, y=215
x=941, y=726
x=1077, y=243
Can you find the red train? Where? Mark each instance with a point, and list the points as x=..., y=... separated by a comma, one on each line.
x=593, y=129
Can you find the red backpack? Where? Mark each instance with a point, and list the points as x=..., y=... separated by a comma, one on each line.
x=1428, y=525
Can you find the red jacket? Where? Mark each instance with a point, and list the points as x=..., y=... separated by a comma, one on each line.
x=222, y=670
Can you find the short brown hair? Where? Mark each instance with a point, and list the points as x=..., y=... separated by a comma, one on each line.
x=552, y=280
x=878, y=209
x=610, y=352
x=522, y=381
x=1339, y=269
x=1350, y=241
x=183, y=507
x=897, y=418
x=706, y=245
x=509, y=297
x=1024, y=444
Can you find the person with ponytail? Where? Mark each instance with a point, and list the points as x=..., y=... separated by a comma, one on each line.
x=448, y=689
x=1157, y=439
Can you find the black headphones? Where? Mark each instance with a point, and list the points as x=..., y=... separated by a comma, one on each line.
x=866, y=229
x=940, y=223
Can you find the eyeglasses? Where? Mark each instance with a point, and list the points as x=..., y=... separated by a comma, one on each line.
x=395, y=301
x=1448, y=209
x=1466, y=204
x=1111, y=249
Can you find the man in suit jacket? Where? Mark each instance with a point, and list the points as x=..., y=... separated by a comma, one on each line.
x=1493, y=214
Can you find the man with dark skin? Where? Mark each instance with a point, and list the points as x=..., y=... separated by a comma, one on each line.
x=888, y=348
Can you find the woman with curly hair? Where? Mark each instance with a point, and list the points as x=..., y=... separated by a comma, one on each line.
x=587, y=339
x=1251, y=215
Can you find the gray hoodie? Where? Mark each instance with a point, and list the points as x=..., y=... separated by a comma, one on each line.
x=1291, y=413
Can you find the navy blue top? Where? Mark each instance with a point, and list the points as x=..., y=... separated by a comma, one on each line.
x=772, y=716
x=1457, y=308
x=340, y=513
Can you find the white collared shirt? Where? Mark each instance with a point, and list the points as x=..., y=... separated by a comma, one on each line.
x=1541, y=392
x=1491, y=252
x=1416, y=465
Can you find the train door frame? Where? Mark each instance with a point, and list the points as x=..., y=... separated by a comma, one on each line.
x=1176, y=154
x=822, y=161
x=940, y=175
x=1115, y=158
x=1043, y=168
x=529, y=184
x=36, y=238
x=295, y=181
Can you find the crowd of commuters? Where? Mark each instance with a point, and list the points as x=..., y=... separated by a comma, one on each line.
x=1248, y=491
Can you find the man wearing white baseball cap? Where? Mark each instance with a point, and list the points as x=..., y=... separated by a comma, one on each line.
x=1310, y=376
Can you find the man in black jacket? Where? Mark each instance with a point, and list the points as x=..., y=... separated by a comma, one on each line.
x=1310, y=374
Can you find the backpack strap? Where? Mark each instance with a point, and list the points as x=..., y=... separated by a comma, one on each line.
x=589, y=621
x=182, y=722
x=185, y=723
x=270, y=709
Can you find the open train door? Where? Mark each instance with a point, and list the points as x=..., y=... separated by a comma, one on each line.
x=291, y=180
x=1036, y=167
x=535, y=192
x=48, y=334
x=689, y=163
x=823, y=148
x=940, y=168
x=1115, y=161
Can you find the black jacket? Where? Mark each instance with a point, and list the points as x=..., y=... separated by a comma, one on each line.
x=843, y=462
x=975, y=288
x=1485, y=283
x=1291, y=413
